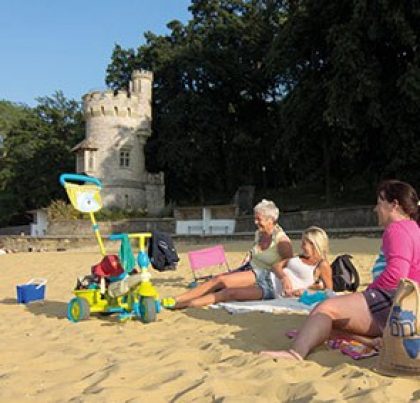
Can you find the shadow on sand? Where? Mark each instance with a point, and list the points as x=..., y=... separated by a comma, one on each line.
x=256, y=334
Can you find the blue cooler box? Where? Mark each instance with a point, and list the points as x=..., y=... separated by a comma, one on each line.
x=33, y=290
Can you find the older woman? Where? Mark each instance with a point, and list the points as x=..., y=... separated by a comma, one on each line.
x=365, y=314
x=252, y=281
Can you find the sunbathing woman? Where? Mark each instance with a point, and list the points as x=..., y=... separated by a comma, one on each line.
x=310, y=269
x=365, y=313
x=271, y=246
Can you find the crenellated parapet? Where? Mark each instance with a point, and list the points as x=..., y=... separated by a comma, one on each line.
x=134, y=103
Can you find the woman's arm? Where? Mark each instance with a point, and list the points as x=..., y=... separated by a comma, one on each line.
x=398, y=250
x=325, y=275
x=278, y=267
x=284, y=248
x=278, y=270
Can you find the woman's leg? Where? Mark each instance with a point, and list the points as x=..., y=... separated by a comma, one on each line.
x=232, y=280
x=251, y=293
x=348, y=312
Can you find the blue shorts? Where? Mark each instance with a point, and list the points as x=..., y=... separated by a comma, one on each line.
x=263, y=280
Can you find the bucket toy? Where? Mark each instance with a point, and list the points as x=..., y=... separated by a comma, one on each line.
x=33, y=290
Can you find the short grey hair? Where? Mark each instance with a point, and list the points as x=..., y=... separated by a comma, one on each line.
x=268, y=209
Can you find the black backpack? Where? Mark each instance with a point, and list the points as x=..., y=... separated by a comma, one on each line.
x=162, y=252
x=344, y=275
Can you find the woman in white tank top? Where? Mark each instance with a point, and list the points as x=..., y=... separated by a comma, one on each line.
x=308, y=270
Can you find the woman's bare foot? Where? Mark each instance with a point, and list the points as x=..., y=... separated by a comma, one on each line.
x=283, y=354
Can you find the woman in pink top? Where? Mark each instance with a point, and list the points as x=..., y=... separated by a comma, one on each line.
x=365, y=313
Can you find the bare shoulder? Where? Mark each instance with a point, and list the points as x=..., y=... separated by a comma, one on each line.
x=324, y=264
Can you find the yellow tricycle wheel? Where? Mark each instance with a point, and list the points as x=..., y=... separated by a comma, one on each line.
x=78, y=309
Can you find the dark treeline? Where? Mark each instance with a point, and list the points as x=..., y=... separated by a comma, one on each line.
x=311, y=91
x=276, y=94
x=35, y=149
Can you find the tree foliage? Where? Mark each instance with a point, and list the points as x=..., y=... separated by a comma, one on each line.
x=310, y=90
x=36, y=149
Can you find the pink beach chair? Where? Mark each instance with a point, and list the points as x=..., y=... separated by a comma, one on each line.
x=208, y=258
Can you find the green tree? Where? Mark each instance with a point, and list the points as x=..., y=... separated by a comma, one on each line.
x=36, y=149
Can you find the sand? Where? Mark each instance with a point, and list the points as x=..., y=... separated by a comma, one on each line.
x=193, y=355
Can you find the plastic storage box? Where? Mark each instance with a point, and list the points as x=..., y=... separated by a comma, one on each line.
x=33, y=290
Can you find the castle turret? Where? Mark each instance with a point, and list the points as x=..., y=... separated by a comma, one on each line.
x=117, y=127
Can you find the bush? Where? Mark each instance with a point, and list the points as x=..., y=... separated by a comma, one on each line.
x=60, y=210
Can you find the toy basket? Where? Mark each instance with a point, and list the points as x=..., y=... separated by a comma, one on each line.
x=33, y=290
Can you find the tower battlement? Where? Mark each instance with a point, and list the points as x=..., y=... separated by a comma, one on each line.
x=108, y=103
x=133, y=103
x=143, y=74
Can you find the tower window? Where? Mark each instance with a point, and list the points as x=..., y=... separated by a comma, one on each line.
x=129, y=112
x=124, y=158
x=91, y=160
x=102, y=110
x=80, y=162
x=116, y=110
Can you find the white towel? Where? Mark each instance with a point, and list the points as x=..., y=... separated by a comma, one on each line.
x=278, y=305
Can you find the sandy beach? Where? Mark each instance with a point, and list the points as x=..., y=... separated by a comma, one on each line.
x=200, y=355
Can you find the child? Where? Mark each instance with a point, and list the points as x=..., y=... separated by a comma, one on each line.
x=308, y=270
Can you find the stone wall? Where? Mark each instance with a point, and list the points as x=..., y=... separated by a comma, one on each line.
x=352, y=217
x=349, y=217
x=84, y=227
x=17, y=230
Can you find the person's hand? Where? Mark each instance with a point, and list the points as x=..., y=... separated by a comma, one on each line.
x=246, y=259
x=287, y=286
x=297, y=293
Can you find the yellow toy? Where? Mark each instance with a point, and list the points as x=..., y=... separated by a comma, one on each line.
x=129, y=294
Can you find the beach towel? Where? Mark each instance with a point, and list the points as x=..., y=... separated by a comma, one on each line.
x=126, y=256
x=278, y=305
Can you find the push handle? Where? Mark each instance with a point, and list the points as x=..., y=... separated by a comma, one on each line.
x=141, y=236
x=116, y=237
x=40, y=281
x=79, y=178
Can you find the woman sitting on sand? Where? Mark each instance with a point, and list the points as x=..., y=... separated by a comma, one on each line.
x=250, y=282
x=365, y=314
x=310, y=269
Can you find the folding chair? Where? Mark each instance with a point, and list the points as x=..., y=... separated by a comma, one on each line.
x=204, y=259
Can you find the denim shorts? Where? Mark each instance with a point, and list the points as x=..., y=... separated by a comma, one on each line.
x=263, y=280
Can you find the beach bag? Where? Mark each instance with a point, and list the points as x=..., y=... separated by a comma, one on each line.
x=162, y=252
x=400, y=354
x=344, y=275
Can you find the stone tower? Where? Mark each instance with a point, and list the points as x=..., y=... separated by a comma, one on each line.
x=118, y=125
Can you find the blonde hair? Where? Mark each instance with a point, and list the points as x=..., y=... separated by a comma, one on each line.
x=319, y=239
x=268, y=209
